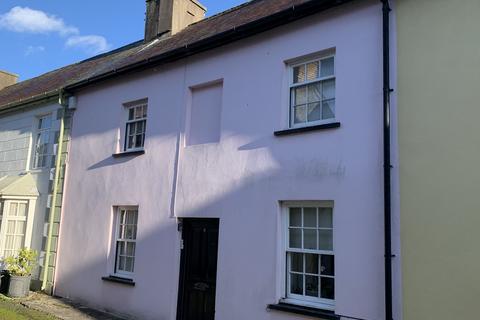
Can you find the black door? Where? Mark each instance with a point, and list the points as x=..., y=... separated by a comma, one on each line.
x=198, y=270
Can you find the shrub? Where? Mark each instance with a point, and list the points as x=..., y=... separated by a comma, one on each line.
x=22, y=264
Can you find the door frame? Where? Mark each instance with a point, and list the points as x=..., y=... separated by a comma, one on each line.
x=183, y=261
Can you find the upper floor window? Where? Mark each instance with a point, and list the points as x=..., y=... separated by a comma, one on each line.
x=312, y=92
x=41, y=152
x=136, y=126
x=310, y=278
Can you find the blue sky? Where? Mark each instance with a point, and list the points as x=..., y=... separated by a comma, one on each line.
x=38, y=36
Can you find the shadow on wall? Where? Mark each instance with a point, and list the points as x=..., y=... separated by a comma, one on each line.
x=157, y=252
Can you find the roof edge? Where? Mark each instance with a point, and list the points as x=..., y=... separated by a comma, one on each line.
x=283, y=17
x=9, y=107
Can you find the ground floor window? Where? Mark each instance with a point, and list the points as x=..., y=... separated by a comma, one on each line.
x=309, y=254
x=125, y=240
x=14, y=223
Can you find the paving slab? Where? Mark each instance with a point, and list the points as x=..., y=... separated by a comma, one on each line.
x=65, y=309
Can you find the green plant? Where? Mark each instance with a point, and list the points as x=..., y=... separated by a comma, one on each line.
x=22, y=264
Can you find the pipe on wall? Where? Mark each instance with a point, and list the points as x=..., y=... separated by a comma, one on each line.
x=387, y=166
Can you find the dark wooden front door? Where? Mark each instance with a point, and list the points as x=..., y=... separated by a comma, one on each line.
x=198, y=270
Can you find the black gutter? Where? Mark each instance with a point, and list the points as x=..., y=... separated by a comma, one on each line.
x=294, y=13
x=387, y=161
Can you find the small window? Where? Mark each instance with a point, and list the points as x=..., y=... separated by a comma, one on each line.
x=312, y=92
x=310, y=267
x=42, y=149
x=125, y=243
x=135, y=127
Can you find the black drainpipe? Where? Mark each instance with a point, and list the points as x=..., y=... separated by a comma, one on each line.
x=386, y=159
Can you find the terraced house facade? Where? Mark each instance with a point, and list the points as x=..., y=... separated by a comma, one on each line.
x=230, y=167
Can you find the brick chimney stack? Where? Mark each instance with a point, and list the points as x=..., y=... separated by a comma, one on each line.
x=7, y=79
x=167, y=17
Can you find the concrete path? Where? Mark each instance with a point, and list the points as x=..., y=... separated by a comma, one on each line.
x=64, y=309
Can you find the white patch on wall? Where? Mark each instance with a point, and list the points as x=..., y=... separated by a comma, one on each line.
x=204, y=116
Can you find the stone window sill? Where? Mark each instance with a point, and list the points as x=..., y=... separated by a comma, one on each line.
x=324, y=126
x=128, y=153
x=305, y=311
x=125, y=281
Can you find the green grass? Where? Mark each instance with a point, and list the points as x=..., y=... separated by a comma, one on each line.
x=12, y=310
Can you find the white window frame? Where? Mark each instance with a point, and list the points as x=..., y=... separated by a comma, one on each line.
x=38, y=131
x=291, y=85
x=117, y=239
x=287, y=297
x=129, y=122
x=4, y=218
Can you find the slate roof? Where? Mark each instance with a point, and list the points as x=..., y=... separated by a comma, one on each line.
x=233, y=24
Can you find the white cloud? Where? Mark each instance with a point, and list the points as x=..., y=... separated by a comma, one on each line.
x=24, y=19
x=92, y=44
x=34, y=49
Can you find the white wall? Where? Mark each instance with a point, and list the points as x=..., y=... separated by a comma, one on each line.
x=240, y=180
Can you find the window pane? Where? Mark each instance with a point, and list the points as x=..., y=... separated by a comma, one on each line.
x=296, y=262
x=295, y=217
x=314, y=92
x=299, y=74
x=144, y=111
x=20, y=227
x=22, y=209
x=300, y=114
x=129, y=233
x=44, y=123
x=328, y=290
x=325, y=239
x=312, y=70
x=11, y=227
x=130, y=217
x=311, y=263
x=299, y=95
x=121, y=263
x=130, y=142
x=130, y=249
x=129, y=264
x=18, y=243
x=327, y=67
x=327, y=267
x=9, y=242
x=309, y=239
x=295, y=238
x=132, y=127
x=296, y=283
x=310, y=217
x=325, y=218
x=140, y=125
x=13, y=209
x=328, y=110
x=311, y=286
x=121, y=248
x=314, y=112
x=131, y=113
x=328, y=90
x=139, y=141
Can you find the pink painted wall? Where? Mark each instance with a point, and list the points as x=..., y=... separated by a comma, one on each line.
x=241, y=179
